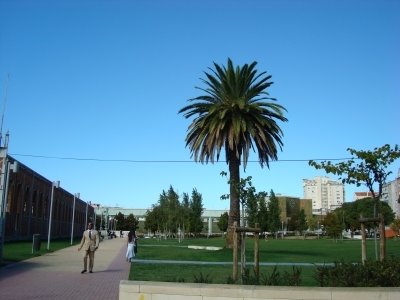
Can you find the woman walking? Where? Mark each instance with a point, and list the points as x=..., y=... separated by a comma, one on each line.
x=130, y=251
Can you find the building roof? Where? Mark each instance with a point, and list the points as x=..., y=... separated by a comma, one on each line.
x=140, y=212
x=362, y=195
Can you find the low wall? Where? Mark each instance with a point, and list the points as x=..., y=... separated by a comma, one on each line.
x=149, y=290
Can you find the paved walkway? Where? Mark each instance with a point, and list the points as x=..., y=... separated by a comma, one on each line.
x=57, y=275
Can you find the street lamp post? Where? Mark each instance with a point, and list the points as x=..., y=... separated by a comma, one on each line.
x=55, y=184
x=87, y=204
x=106, y=219
x=3, y=204
x=77, y=195
x=101, y=221
x=95, y=216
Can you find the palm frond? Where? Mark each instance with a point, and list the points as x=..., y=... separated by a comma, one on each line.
x=236, y=113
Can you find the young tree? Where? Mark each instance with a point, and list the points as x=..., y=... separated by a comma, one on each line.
x=234, y=113
x=163, y=213
x=350, y=215
x=371, y=171
x=252, y=209
x=256, y=209
x=120, y=221
x=298, y=222
x=301, y=223
x=395, y=226
x=173, y=210
x=332, y=225
x=223, y=222
x=185, y=212
x=274, y=212
x=246, y=192
x=263, y=213
x=196, y=210
x=152, y=222
x=312, y=222
x=131, y=222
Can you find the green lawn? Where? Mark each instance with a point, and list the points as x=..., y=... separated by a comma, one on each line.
x=17, y=251
x=287, y=250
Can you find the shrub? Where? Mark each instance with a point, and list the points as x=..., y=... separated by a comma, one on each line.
x=202, y=279
x=272, y=279
x=370, y=274
x=249, y=279
x=294, y=278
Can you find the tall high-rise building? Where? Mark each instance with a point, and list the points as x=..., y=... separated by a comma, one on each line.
x=326, y=194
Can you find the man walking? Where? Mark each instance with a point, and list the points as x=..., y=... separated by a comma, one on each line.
x=90, y=243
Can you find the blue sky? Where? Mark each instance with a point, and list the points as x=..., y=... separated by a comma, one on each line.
x=105, y=80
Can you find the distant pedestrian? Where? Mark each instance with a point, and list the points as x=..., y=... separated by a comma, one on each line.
x=131, y=245
x=89, y=243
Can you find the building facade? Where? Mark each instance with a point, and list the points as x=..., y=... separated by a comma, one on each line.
x=26, y=205
x=291, y=206
x=325, y=194
x=391, y=194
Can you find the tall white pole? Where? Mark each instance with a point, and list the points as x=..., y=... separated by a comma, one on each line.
x=55, y=184
x=73, y=217
x=101, y=221
x=3, y=204
x=4, y=172
x=87, y=204
x=95, y=216
x=3, y=193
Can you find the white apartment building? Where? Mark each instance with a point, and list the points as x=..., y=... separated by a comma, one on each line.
x=391, y=194
x=326, y=194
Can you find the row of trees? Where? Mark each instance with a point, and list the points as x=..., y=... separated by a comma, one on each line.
x=128, y=223
x=169, y=215
x=261, y=209
x=347, y=217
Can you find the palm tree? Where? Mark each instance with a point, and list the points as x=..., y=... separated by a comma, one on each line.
x=233, y=114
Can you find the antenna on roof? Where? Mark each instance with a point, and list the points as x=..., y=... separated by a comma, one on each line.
x=4, y=109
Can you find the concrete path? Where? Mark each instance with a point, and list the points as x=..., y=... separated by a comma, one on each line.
x=57, y=275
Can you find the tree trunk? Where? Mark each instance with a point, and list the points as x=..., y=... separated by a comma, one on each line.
x=234, y=211
x=382, y=238
x=363, y=243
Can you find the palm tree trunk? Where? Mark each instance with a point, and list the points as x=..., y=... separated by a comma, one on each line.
x=234, y=211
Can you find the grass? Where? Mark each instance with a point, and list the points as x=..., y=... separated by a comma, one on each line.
x=217, y=274
x=21, y=250
x=287, y=250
